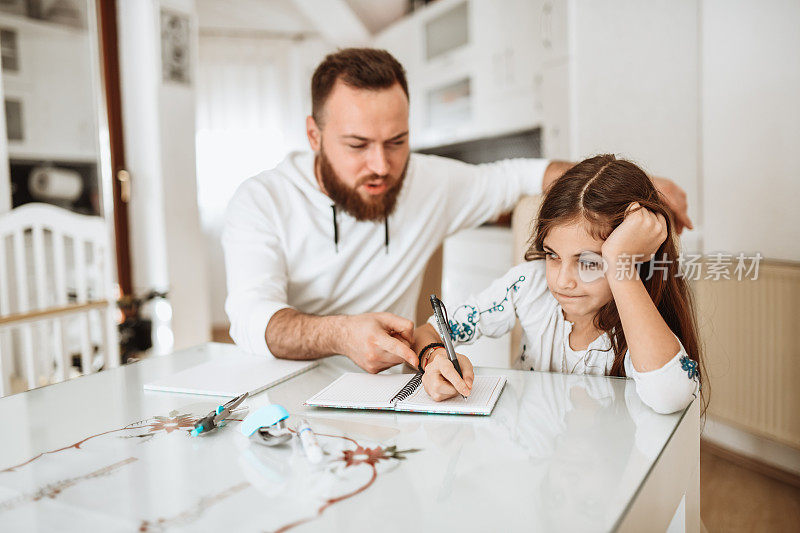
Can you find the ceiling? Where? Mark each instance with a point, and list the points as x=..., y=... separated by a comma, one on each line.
x=285, y=17
x=378, y=14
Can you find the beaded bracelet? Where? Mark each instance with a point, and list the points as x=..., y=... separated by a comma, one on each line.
x=425, y=349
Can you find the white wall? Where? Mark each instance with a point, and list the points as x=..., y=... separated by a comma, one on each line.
x=159, y=120
x=253, y=96
x=751, y=126
x=634, y=77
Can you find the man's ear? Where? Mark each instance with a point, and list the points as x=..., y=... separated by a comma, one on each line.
x=313, y=133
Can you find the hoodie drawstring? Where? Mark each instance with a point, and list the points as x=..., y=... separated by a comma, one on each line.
x=336, y=231
x=386, y=233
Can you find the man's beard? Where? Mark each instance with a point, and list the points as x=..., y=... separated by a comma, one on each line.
x=350, y=200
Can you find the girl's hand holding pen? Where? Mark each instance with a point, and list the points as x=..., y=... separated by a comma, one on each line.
x=441, y=381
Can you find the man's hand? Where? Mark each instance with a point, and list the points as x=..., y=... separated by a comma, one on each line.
x=675, y=198
x=441, y=381
x=374, y=341
x=377, y=341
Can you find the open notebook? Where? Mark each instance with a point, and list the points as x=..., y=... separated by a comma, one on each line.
x=396, y=392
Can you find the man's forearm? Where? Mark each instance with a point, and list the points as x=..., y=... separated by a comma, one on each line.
x=554, y=171
x=294, y=335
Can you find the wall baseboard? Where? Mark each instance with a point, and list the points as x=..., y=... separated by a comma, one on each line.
x=752, y=451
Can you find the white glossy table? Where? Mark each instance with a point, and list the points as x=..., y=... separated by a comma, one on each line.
x=559, y=452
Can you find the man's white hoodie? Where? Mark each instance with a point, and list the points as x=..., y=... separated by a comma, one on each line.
x=287, y=245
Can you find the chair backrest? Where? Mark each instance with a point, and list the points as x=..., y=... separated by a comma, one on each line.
x=431, y=284
x=522, y=221
x=57, y=295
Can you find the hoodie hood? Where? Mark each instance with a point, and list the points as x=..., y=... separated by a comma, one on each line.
x=299, y=168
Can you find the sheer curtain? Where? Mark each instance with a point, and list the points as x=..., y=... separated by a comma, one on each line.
x=245, y=104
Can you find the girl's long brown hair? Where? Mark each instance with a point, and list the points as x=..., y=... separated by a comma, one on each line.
x=599, y=190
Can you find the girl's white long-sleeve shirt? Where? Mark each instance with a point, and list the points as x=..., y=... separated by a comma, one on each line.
x=522, y=293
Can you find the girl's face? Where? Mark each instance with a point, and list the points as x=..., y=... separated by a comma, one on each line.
x=575, y=270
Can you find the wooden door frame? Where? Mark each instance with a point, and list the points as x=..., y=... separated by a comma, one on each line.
x=109, y=52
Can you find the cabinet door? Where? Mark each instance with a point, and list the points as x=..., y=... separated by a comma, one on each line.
x=552, y=30
x=507, y=46
x=556, y=111
x=48, y=80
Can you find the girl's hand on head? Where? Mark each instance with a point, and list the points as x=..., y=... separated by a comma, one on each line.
x=441, y=381
x=637, y=238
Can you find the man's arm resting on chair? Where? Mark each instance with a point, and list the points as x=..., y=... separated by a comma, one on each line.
x=554, y=171
x=674, y=196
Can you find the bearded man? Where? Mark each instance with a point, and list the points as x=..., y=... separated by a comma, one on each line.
x=325, y=253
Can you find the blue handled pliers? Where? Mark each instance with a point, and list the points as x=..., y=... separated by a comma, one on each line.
x=213, y=419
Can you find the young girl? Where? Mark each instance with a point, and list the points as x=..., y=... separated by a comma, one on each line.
x=592, y=297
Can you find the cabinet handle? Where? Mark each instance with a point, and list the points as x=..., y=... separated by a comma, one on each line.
x=124, y=178
x=547, y=25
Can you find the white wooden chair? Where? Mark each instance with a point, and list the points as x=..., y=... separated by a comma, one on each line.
x=57, y=295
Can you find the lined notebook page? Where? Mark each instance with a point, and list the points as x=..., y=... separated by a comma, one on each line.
x=361, y=391
x=485, y=392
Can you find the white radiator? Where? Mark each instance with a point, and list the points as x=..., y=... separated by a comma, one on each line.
x=751, y=332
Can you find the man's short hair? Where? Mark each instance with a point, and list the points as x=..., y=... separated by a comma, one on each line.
x=361, y=68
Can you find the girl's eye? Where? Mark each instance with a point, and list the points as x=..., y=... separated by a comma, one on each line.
x=550, y=255
x=590, y=265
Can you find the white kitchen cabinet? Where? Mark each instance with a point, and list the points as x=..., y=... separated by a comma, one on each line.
x=555, y=110
x=402, y=39
x=552, y=30
x=52, y=85
x=52, y=93
x=498, y=63
x=617, y=76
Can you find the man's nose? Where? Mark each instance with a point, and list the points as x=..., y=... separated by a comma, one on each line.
x=377, y=162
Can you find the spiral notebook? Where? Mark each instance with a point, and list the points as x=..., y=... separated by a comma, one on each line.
x=398, y=392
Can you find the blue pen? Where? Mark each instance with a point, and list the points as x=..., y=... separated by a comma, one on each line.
x=213, y=419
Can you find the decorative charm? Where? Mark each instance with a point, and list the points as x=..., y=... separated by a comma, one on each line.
x=690, y=366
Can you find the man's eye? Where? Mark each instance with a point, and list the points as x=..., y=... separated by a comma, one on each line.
x=357, y=146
